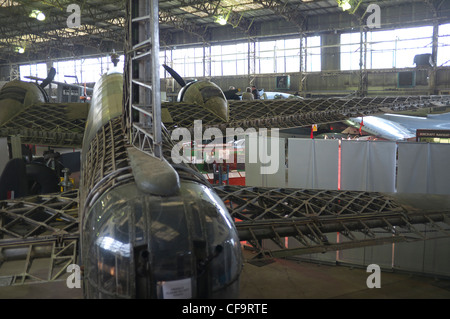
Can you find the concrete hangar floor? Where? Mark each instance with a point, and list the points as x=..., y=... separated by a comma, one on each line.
x=285, y=279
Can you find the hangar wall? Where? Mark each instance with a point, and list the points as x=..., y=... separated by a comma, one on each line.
x=380, y=83
x=331, y=80
x=400, y=16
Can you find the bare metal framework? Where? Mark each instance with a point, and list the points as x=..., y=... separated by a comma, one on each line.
x=102, y=23
x=35, y=231
x=290, y=12
x=144, y=104
x=311, y=217
x=106, y=159
x=289, y=113
x=49, y=124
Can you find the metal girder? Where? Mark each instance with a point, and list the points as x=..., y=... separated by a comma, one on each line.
x=213, y=8
x=290, y=13
x=100, y=22
x=179, y=22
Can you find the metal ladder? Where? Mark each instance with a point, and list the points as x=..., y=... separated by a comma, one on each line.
x=144, y=104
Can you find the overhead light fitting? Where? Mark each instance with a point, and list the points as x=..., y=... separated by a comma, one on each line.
x=349, y=5
x=222, y=19
x=20, y=50
x=344, y=4
x=37, y=14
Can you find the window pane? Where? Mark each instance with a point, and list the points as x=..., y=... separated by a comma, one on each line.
x=64, y=68
x=216, y=60
x=381, y=49
x=229, y=67
x=25, y=70
x=162, y=60
x=293, y=63
x=179, y=62
x=41, y=70
x=350, y=51
x=411, y=42
x=313, y=54
x=241, y=58
x=242, y=67
x=265, y=57
x=229, y=59
x=78, y=74
x=386, y=49
x=292, y=55
x=280, y=53
x=292, y=43
x=444, y=45
x=91, y=69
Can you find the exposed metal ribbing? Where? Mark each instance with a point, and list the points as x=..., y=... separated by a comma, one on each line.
x=47, y=124
x=288, y=113
x=310, y=216
x=106, y=155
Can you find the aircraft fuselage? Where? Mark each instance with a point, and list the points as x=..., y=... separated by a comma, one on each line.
x=145, y=231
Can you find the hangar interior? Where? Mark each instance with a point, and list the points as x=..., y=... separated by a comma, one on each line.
x=388, y=52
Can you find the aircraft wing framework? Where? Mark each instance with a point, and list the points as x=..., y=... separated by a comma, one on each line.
x=51, y=124
x=37, y=229
x=46, y=227
x=324, y=220
x=289, y=113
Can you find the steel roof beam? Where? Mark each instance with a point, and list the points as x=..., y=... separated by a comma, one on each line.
x=290, y=13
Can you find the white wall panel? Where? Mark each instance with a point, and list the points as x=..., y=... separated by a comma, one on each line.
x=412, y=175
x=265, y=162
x=439, y=169
x=423, y=168
x=274, y=171
x=313, y=163
x=253, y=175
x=368, y=166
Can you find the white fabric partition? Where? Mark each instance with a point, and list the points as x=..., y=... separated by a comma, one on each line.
x=253, y=175
x=265, y=161
x=313, y=163
x=368, y=166
x=423, y=168
x=439, y=169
